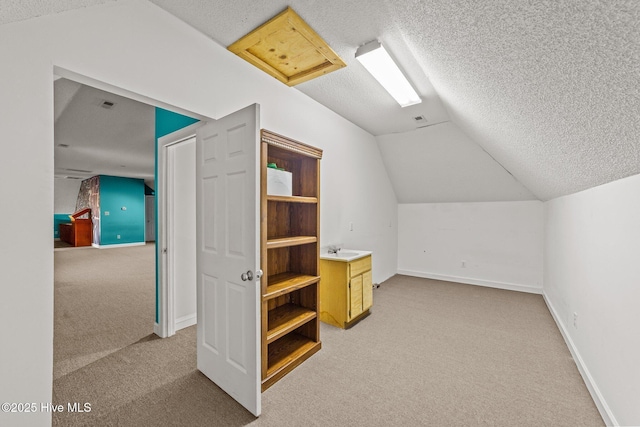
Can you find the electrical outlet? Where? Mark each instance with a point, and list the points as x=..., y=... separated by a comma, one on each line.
x=118, y=237
x=463, y=264
x=575, y=320
x=350, y=226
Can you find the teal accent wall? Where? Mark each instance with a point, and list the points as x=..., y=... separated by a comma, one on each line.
x=123, y=200
x=166, y=122
x=59, y=219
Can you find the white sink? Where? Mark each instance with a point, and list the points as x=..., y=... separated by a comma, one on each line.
x=345, y=255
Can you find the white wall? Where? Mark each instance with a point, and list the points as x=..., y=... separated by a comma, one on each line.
x=355, y=190
x=65, y=195
x=500, y=243
x=592, y=268
x=138, y=50
x=441, y=164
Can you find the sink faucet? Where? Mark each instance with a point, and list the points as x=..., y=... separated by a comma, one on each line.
x=333, y=249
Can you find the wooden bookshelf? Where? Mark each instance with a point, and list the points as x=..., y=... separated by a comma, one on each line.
x=285, y=283
x=292, y=199
x=287, y=318
x=290, y=230
x=287, y=353
x=283, y=242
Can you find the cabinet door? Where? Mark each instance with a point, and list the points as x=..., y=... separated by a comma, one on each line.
x=355, y=306
x=367, y=291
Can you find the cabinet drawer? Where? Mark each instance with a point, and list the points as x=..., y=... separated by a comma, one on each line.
x=359, y=266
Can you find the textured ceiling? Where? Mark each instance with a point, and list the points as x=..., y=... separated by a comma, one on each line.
x=548, y=88
x=118, y=141
x=18, y=10
x=351, y=92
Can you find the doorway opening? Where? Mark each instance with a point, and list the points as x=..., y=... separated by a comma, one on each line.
x=232, y=303
x=105, y=300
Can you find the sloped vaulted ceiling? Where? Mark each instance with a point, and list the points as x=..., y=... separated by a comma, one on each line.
x=548, y=88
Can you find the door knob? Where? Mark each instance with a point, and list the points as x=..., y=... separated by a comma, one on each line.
x=249, y=275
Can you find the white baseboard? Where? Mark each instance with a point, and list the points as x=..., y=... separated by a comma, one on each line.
x=118, y=245
x=186, y=321
x=598, y=399
x=471, y=281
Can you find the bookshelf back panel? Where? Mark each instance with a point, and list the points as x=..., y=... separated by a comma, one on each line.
x=286, y=219
x=304, y=171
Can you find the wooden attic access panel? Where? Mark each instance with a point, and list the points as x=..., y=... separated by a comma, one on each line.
x=288, y=49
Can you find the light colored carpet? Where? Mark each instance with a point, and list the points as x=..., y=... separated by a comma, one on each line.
x=432, y=353
x=58, y=244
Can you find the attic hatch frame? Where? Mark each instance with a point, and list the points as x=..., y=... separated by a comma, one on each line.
x=287, y=48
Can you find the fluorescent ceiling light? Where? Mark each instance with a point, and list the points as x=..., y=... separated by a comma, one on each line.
x=378, y=62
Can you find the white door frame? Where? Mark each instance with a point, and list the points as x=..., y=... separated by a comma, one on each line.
x=166, y=325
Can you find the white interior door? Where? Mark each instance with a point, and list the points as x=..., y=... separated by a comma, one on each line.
x=176, y=239
x=181, y=232
x=228, y=246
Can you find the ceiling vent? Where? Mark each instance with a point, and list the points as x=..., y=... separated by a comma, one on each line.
x=63, y=145
x=421, y=121
x=108, y=105
x=78, y=170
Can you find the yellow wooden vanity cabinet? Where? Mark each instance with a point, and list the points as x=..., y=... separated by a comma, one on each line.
x=346, y=292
